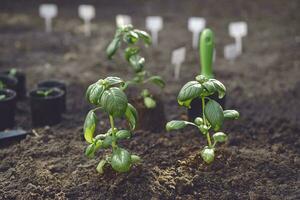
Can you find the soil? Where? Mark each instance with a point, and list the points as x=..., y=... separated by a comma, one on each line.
x=261, y=159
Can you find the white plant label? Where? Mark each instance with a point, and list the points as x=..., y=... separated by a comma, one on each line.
x=154, y=24
x=87, y=13
x=196, y=25
x=122, y=20
x=48, y=12
x=238, y=30
x=178, y=57
x=230, y=52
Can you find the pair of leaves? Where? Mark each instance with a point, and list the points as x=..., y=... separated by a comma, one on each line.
x=137, y=62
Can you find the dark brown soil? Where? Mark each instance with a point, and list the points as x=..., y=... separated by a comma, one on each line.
x=261, y=159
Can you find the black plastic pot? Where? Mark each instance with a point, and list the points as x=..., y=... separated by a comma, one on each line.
x=21, y=85
x=9, y=82
x=46, y=110
x=56, y=84
x=7, y=109
x=196, y=106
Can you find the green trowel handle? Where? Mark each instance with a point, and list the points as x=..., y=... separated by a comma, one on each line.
x=207, y=44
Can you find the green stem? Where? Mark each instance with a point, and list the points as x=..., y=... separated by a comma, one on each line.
x=204, y=121
x=112, y=124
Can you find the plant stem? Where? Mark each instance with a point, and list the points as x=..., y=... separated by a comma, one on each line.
x=204, y=121
x=112, y=124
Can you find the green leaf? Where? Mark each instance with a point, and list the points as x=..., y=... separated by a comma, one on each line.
x=90, y=150
x=107, y=142
x=113, y=47
x=214, y=114
x=131, y=116
x=131, y=37
x=113, y=80
x=198, y=121
x=114, y=102
x=208, y=155
x=149, y=102
x=123, y=134
x=201, y=79
x=144, y=35
x=94, y=93
x=130, y=51
x=90, y=126
x=231, y=114
x=210, y=88
x=157, y=80
x=100, y=166
x=176, y=125
x=220, y=137
x=220, y=87
x=188, y=92
x=121, y=160
x=135, y=159
x=137, y=62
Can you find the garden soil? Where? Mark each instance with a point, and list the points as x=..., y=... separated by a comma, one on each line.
x=261, y=159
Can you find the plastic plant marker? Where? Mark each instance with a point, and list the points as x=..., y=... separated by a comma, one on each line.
x=87, y=13
x=154, y=24
x=238, y=30
x=178, y=57
x=122, y=20
x=230, y=52
x=196, y=25
x=48, y=12
x=206, y=52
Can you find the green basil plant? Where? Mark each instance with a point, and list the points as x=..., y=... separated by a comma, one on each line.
x=130, y=37
x=107, y=95
x=213, y=115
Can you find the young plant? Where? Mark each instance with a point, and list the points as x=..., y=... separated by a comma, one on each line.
x=45, y=93
x=107, y=95
x=130, y=37
x=213, y=115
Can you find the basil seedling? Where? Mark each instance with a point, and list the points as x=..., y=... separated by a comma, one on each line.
x=213, y=115
x=45, y=93
x=107, y=95
x=130, y=37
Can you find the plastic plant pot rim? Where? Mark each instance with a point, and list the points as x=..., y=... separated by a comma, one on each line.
x=51, y=83
x=11, y=94
x=58, y=95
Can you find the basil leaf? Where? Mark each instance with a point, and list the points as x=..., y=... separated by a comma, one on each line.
x=113, y=47
x=113, y=80
x=131, y=116
x=100, y=166
x=157, y=80
x=121, y=160
x=90, y=126
x=107, y=141
x=90, y=151
x=188, y=92
x=220, y=88
x=201, y=79
x=208, y=154
x=114, y=102
x=176, y=125
x=130, y=51
x=149, y=102
x=137, y=62
x=144, y=35
x=123, y=134
x=210, y=88
x=94, y=93
x=220, y=137
x=231, y=114
x=135, y=159
x=131, y=37
x=214, y=114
